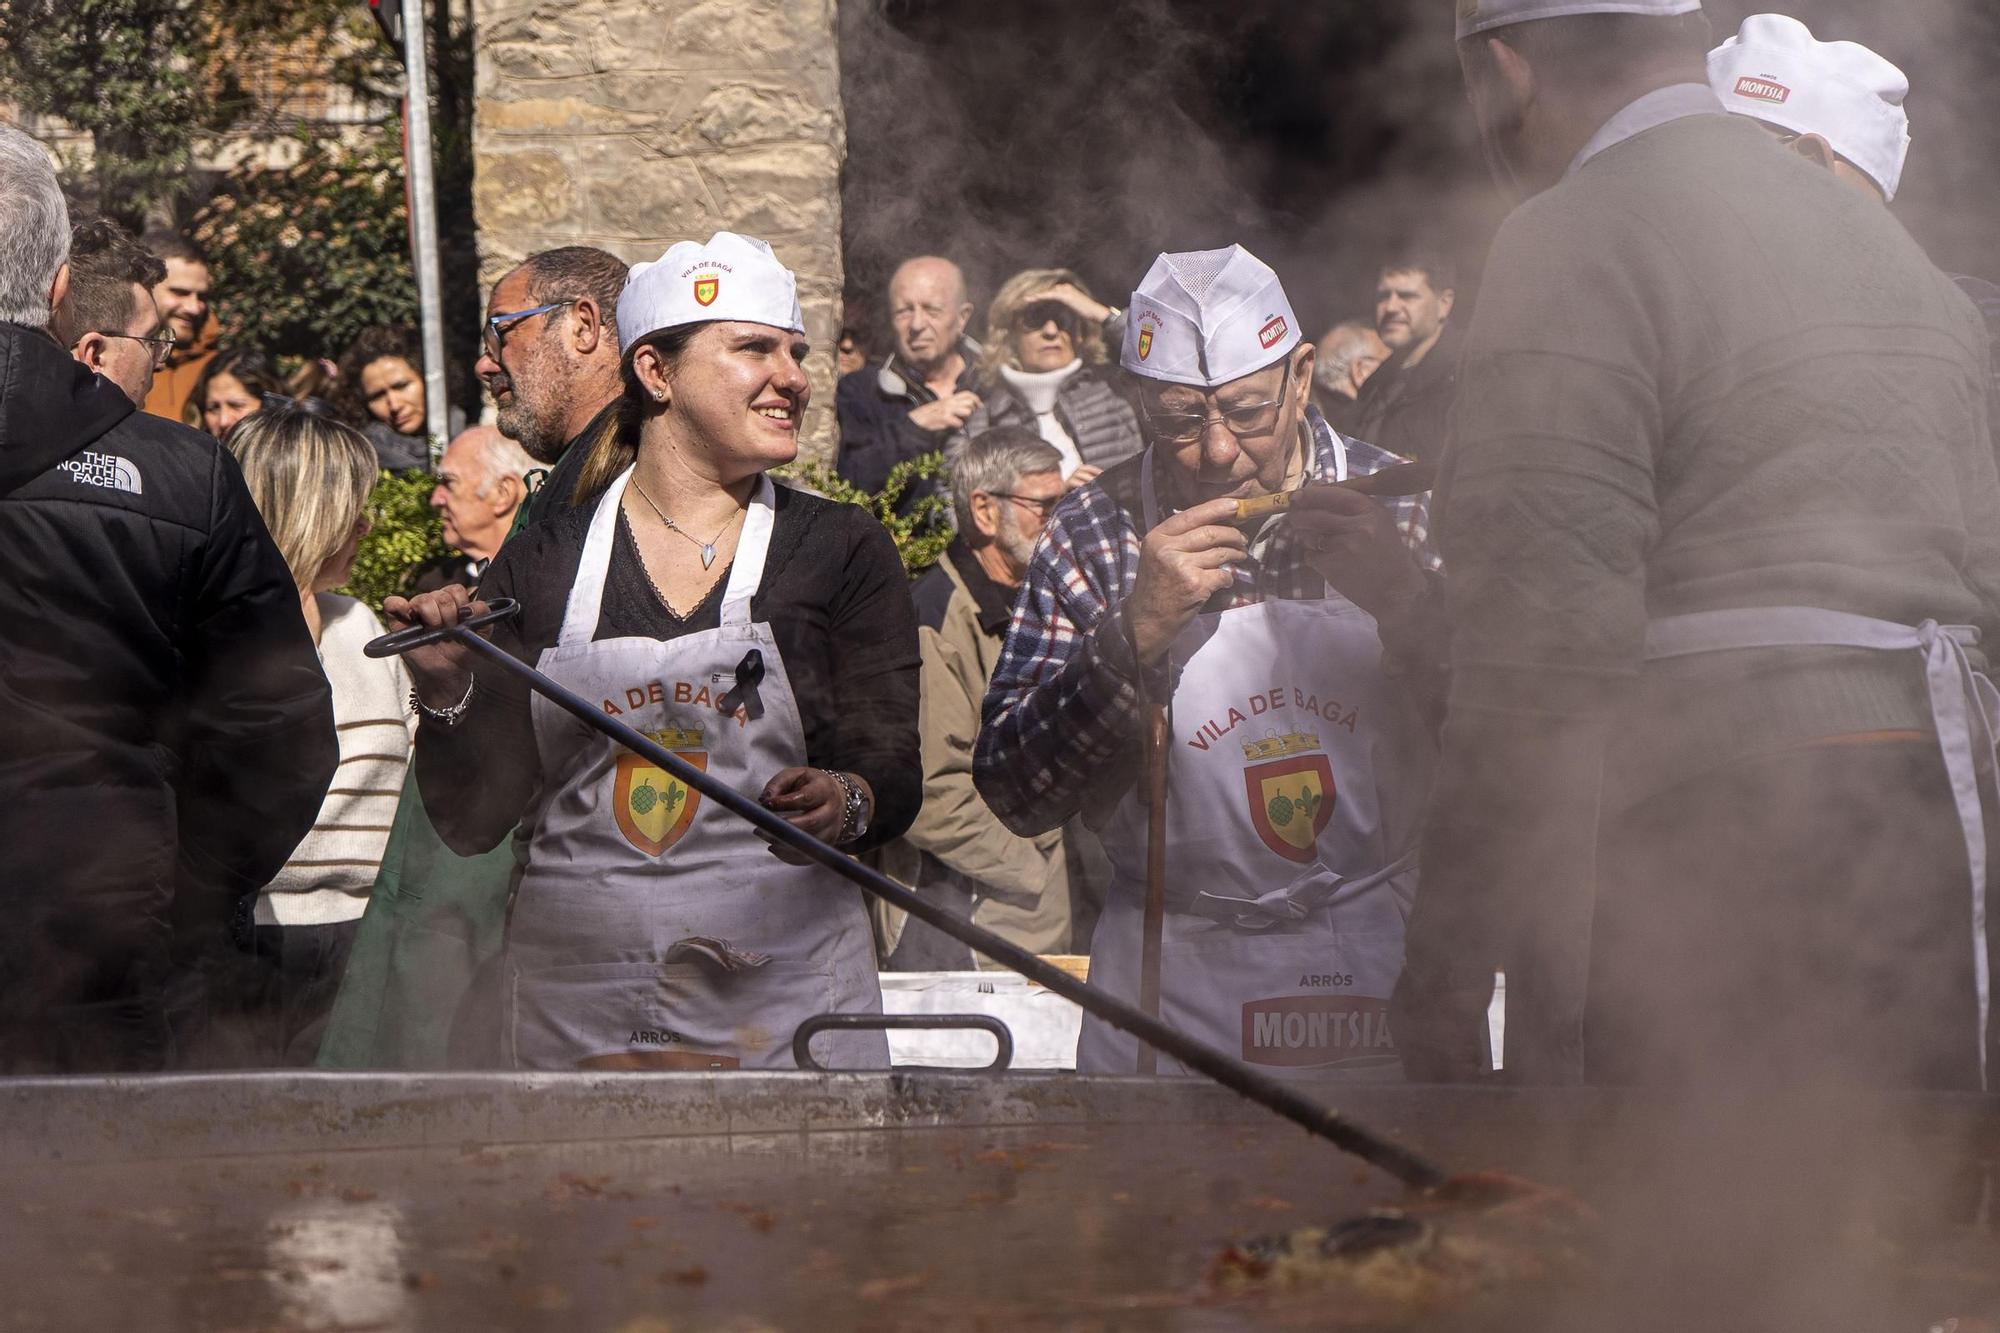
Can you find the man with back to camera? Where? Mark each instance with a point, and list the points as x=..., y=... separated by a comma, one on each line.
x=109, y=320
x=1706, y=789
x=1299, y=754
x=169, y=733
x=910, y=404
x=1405, y=405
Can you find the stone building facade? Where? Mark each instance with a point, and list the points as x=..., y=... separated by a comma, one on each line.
x=632, y=124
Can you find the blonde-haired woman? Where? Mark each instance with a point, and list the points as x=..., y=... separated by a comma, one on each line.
x=310, y=477
x=1044, y=371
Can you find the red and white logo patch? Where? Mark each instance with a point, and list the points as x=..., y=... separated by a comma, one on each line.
x=1272, y=332
x=1763, y=90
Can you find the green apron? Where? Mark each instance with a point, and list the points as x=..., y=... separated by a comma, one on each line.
x=433, y=920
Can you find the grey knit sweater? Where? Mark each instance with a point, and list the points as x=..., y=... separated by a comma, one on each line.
x=1705, y=375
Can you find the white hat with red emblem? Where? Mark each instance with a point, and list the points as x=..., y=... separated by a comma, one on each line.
x=1775, y=70
x=1479, y=15
x=1206, y=317
x=731, y=277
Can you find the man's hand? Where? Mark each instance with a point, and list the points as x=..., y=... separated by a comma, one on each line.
x=1085, y=474
x=441, y=671
x=1355, y=545
x=946, y=413
x=1182, y=563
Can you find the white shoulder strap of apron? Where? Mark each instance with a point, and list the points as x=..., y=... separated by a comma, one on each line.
x=586, y=594
x=1964, y=705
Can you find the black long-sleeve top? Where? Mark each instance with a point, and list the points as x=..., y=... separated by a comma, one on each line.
x=837, y=601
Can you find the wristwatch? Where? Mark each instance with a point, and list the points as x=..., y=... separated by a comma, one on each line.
x=854, y=810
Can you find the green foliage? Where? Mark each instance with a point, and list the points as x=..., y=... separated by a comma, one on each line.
x=406, y=532
x=126, y=72
x=311, y=255
x=921, y=531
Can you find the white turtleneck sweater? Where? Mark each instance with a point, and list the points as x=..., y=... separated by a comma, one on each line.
x=1038, y=389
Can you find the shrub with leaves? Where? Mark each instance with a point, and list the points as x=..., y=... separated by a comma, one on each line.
x=307, y=257
x=406, y=532
x=920, y=526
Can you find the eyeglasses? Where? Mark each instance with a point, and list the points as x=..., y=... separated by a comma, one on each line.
x=1042, y=507
x=497, y=327
x=162, y=344
x=1244, y=421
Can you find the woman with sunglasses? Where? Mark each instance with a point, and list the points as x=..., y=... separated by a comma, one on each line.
x=764, y=634
x=1044, y=370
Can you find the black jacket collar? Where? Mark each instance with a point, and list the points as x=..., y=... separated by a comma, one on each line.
x=995, y=601
x=50, y=405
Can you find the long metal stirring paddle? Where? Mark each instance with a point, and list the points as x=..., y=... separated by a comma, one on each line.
x=1377, y=1149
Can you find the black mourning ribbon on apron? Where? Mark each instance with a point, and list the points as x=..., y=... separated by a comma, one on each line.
x=743, y=694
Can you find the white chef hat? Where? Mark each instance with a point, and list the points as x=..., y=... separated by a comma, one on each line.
x=1479, y=15
x=1206, y=317
x=731, y=277
x=1774, y=70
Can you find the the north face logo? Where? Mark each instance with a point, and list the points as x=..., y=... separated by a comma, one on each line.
x=108, y=470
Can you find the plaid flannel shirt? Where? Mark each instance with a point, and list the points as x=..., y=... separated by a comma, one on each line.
x=1061, y=718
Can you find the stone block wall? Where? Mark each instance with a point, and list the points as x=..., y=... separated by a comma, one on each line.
x=632, y=124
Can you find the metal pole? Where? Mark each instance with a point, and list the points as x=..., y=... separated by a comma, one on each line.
x=1377, y=1149
x=423, y=220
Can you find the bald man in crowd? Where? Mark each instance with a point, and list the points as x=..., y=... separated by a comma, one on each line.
x=482, y=480
x=922, y=391
x=1349, y=353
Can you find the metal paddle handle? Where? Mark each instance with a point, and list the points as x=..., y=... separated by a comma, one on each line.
x=1268, y=1092
x=418, y=636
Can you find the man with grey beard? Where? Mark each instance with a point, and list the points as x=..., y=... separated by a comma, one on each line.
x=549, y=357
x=1721, y=555
x=1005, y=481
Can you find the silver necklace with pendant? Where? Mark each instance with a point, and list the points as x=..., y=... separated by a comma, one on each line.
x=707, y=547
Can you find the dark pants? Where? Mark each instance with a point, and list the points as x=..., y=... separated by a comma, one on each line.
x=1802, y=918
x=268, y=999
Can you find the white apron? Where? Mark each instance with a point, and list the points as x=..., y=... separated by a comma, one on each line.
x=651, y=930
x=1965, y=708
x=1296, y=785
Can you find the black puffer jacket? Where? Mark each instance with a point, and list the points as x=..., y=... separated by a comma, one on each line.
x=166, y=734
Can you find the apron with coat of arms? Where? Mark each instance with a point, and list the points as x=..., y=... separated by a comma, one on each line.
x=650, y=929
x=1297, y=777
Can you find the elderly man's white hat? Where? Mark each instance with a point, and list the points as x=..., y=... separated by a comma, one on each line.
x=1206, y=317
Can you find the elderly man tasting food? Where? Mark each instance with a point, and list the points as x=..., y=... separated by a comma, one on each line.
x=1298, y=762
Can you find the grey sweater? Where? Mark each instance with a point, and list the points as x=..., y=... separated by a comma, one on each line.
x=1703, y=374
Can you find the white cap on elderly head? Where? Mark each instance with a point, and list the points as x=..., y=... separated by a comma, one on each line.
x=1479, y=15
x=1774, y=69
x=1206, y=317
x=731, y=277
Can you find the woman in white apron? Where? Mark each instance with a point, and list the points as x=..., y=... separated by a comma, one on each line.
x=764, y=635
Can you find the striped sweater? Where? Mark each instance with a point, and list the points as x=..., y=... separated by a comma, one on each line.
x=327, y=879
